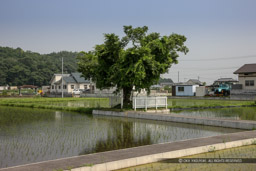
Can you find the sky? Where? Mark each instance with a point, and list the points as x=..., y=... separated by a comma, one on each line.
x=221, y=34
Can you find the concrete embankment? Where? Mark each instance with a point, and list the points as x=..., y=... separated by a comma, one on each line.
x=239, y=124
x=118, y=159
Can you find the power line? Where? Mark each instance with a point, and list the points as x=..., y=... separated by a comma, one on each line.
x=202, y=69
x=216, y=59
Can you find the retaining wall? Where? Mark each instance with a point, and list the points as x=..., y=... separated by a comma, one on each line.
x=239, y=124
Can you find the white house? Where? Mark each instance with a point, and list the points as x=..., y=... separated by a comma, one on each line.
x=185, y=90
x=247, y=76
x=70, y=82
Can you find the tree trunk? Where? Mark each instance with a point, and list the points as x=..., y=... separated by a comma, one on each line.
x=127, y=94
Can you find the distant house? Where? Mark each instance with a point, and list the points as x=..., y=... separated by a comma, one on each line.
x=246, y=88
x=184, y=90
x=70, y=82
x=247, y=76
x=165, y=82
x=4, y=87
x=194, y=82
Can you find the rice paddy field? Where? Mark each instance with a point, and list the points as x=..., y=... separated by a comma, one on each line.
x=235, y=113
x=196, y=103
x=39, y=129
x=239, y=152
x=29, y=135
x=65, y=103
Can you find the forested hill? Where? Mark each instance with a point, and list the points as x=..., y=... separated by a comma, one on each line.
x=18, y=67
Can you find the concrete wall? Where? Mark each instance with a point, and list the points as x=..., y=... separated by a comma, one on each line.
x=239, y=124
x=243, y=94
x=201, y=91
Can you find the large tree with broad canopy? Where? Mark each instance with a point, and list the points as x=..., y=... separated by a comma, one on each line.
x=135, y=60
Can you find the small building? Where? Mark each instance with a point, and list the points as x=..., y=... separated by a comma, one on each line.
x=70, y=82
x=4, y=87
x=247, y=76
x=184, y=90
x=246, y=88
x=13, y=87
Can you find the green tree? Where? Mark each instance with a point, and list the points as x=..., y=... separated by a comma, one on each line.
x=135, y=60
x=18, y=67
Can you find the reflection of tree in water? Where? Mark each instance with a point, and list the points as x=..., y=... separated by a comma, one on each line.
x=121, y=137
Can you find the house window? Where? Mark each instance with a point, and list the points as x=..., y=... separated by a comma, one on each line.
x=85, y=87
x=52, y=86
x=64, y=86
x=180, y=89
x=59, y=87
x=249, y=82
x=72, y=86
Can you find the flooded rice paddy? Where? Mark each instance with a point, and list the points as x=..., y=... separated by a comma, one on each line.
x=32, y=135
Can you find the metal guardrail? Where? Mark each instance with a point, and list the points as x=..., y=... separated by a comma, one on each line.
x=149, y=102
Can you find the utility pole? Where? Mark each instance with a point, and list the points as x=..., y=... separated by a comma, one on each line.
x=62, y=79
x=178, y=76
x=198, y=78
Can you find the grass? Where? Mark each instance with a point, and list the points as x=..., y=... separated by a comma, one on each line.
x=103, y=104
x=206, y=103
x=54, y=103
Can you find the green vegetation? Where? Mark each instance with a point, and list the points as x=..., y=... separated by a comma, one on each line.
x=15, y=93
x=81, y=105
x=88, y=164
x=18, y=67
x=205, y=103
x=238, y=152
x=86, y=105
x=135, y=60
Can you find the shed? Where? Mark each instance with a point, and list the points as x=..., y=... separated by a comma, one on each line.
x=185, y=90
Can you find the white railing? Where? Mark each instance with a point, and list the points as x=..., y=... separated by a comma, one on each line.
x=149, y=102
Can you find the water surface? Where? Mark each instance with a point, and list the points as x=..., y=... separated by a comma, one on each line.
x=31, y=135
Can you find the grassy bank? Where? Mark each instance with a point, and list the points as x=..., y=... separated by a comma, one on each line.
x=81, y=105
x=196, y=103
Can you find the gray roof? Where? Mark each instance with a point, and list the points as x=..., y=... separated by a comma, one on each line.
x=78, y=77
x=246, y=68
x=73, y=78
x=66, y=79
x=69, y=79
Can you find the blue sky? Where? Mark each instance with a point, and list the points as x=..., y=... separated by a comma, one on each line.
x=214, y=28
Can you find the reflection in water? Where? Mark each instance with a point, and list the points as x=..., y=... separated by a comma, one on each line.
x=123, y=136
x=32, y=135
